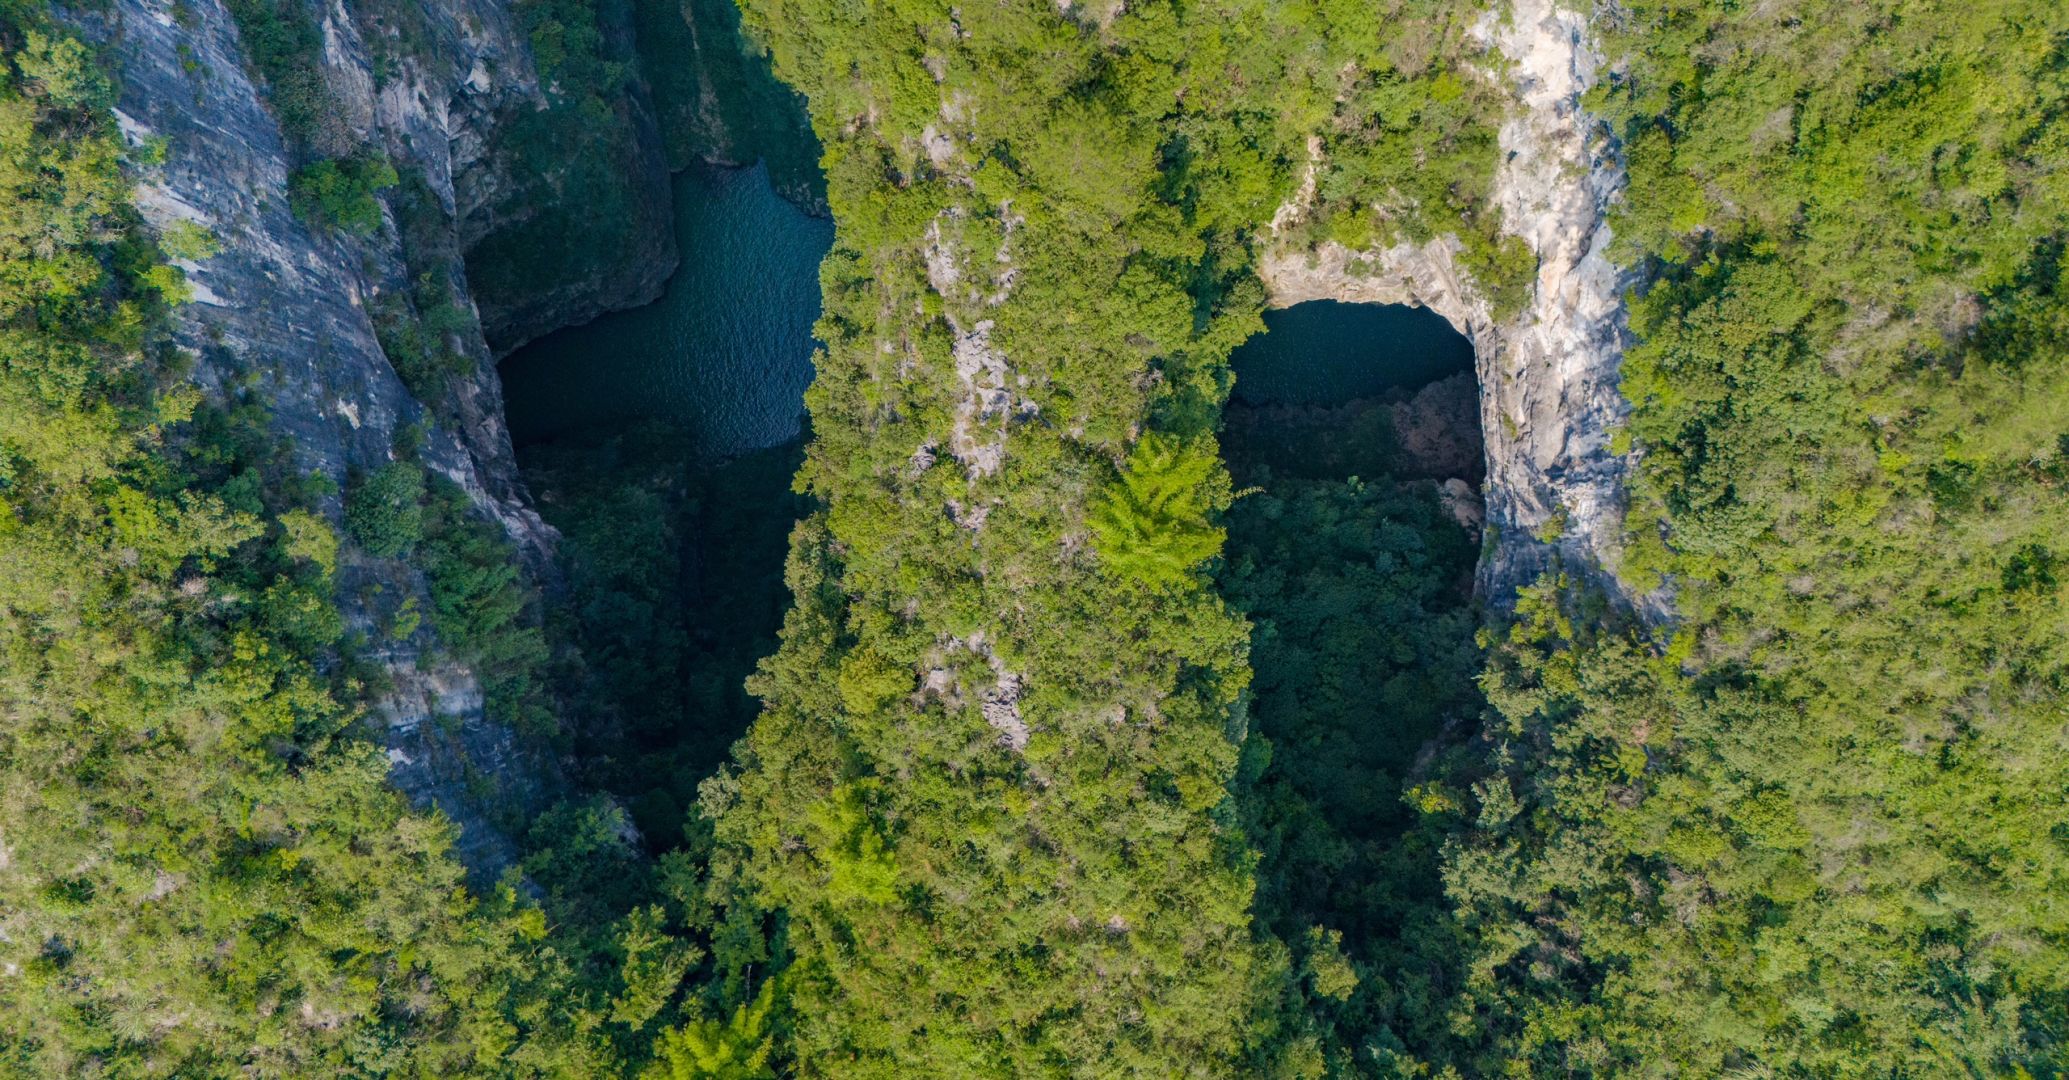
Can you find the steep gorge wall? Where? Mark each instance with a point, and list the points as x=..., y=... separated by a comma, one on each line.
x=286, y=309
x=563, y=206
x=1549, y=399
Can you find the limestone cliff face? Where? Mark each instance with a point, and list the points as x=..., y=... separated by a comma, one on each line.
x=1549, y=398
x=561, y=219
x=285, y=309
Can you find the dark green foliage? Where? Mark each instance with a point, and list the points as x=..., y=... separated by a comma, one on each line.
x=1365, y=660
x=568, y=42
x=482, y=607
x=420, y=330
x=718, y=100
x=282, y=41
x=340, y=194
x=384, y=510
x=983, y=823
x=675, y=581
x=578, y=176
x=1363, y=649
x=419, y=347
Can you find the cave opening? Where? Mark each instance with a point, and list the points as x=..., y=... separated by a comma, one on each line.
x=1336, y=390
x=661, y=441
x=1354, y=431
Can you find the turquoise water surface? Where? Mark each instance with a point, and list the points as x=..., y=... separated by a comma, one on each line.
x=1326, y=353
x=725, y=353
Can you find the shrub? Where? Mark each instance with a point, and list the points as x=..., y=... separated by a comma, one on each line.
x=483, y=607
x=340, y=194
x=385, y=511
x=60, y=69
x=1153, y=522
x=190, y=241
x=285, y=45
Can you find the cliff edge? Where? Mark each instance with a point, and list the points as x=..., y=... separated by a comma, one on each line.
x=1549, y=395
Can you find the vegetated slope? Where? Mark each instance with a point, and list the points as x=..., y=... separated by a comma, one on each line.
x=570, y=217
x=204, y=865
x=1822, y=835
x=202, y=868
x=1816, y=834
x=675, y=591
x=1359, y=588
x=990, y=791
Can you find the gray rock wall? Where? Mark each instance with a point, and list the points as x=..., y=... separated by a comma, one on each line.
x=284, y=309
x=1549, y=395
x=587, y=210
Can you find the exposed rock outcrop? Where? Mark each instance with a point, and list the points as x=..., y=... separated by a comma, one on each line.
x=287, y=310
x=1437, y=429
x=1549, y=397
x=562, y=217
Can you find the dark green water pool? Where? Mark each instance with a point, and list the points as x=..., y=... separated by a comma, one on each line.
x=1326, y=353
x=725, y=354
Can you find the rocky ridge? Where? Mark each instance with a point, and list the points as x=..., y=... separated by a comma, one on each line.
x=1549, y=395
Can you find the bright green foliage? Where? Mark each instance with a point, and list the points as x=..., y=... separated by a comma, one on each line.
x=654, y=966
x=859, y=866
x=1014, y=805
x=1406, y=127
x=1329, y=972
x=1815, y=837
x=307, y=536
x=384, y=510
x=1821, y=835
x=340, y=194
x=60, y=70
x=1152, y=522
x=738, y=1049
x=998, y=635
x=189, y=240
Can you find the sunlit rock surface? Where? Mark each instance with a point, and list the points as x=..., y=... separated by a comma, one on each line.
x=1549, y=399
x=285, y=309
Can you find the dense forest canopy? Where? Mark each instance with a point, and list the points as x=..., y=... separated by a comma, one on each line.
x=1072, y=757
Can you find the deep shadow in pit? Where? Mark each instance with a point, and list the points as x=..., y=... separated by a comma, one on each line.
x=661, y=442
x=675, y=592
x=1357, y=429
